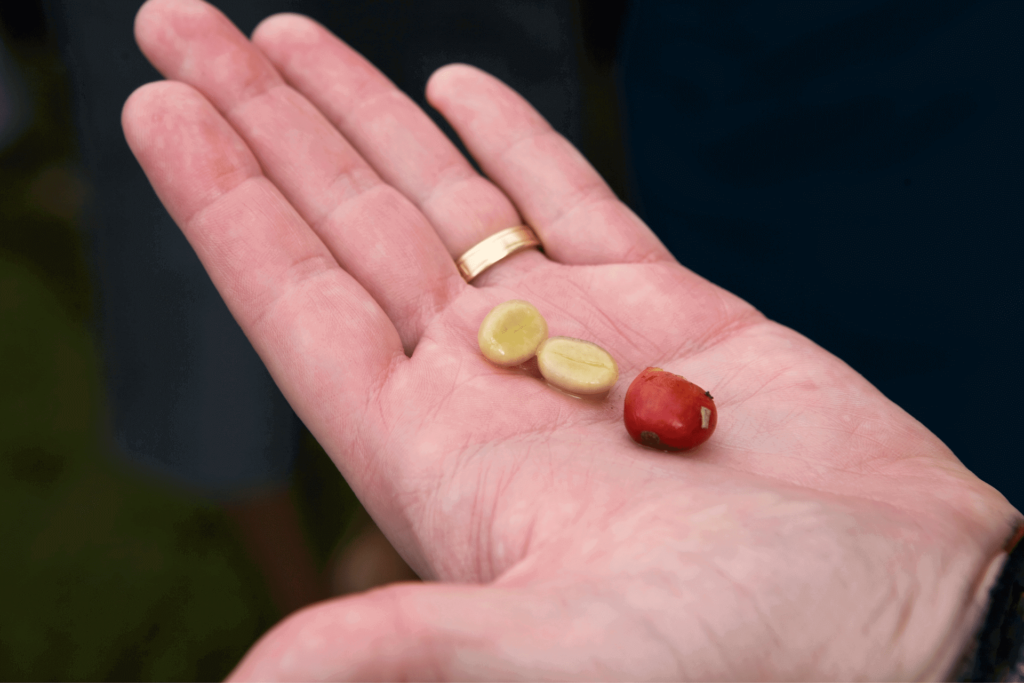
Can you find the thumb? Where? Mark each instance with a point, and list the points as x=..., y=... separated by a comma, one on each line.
x=405, y=631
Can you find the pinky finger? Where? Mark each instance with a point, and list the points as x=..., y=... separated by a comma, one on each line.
x=300, y=310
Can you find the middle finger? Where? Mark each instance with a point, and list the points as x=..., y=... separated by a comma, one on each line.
x=372, y=229
x=392, y=132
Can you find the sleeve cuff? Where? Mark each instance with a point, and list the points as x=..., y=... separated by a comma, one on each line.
x=996, y=653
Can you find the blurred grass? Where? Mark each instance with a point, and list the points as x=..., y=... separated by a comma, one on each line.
x=104, y=574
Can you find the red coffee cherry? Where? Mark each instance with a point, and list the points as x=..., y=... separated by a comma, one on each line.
x=669, y=412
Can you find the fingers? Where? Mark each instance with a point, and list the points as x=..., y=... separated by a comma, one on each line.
x=576, y=214
x=324, y=339
x=398, y=139
x=371, y=229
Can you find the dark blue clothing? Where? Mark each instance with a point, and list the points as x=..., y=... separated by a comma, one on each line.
x=856, y=171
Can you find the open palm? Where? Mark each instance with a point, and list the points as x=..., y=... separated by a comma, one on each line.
x=822, y=532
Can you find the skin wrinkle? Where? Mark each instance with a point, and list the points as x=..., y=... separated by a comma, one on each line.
x=812, y=472
x=391, y=411
x=841, y=493
x=357, y=445
x=882, y=445
x=763, y=389
x=751, y=596
x=833, y=439
x=471, y=562
x=723, y=397
x=348, y=453
x=722, y=649
x=838, y=434
x=212, y=219
x=255, y=81
x=374, y=394
x=906, y=608
x=447, y=192
x=516, y=272
x=663, y=636
x=809, y=473
x=235, y=114
x=329, y=222
x=348, y=186
x=197, y=216
x=154, y=142
x=376, y=98
x=194, y=221
x=592, y=200
x=717, y=570
x=258, y=76
x=767, y=327
x=404, y=630
x=431, y=506
x=500, y=566
x=945, y=487
x=364, y=89
x=509, y=478
x=752, y=599
x=530, y=545
x=301, y=274
x=414, y=303
x=640, y=256
x=645, y=623
x=455, y=286
x=365, y=101
x=752, y=365
x=592, y=193
x=666, y=641
x=350, y=180
x=713, y=337
x=447, y=179
x=597, y=312
x=731, y=326
x=564, y=310
x=480, y=538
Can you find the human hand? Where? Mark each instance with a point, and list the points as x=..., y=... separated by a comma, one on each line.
x=821, y=533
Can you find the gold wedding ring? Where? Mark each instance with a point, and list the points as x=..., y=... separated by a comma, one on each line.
x=493, y=249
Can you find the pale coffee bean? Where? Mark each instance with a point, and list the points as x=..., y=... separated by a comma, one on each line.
x=511, y=333
x=577, y=366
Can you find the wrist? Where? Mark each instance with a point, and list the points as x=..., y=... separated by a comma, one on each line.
x=994, y=650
